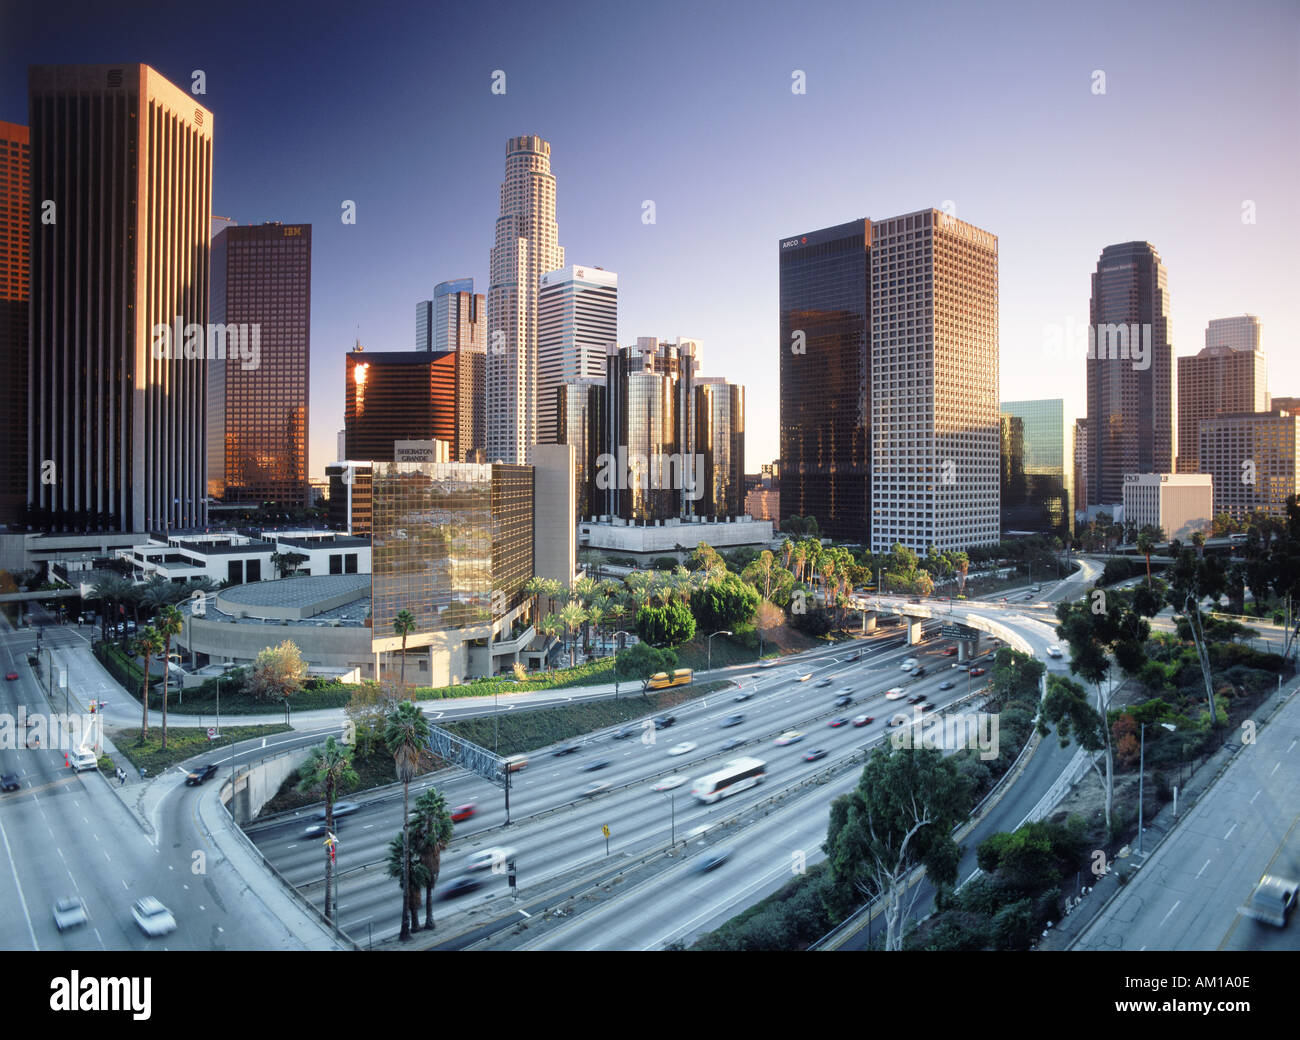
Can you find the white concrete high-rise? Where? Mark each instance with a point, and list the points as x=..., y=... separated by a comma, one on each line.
x=577, y=320
x=526, y=247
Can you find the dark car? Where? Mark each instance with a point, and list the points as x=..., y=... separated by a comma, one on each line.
x=568, y=749
x=625, y=732
x=917, y=699
x=824, y=682
x=731, y=720
x=843, y=702
x=734, y=742
x=815, y=754
x=712, y=860
x=591, y=767
x=459, y=886
x=927, y=706
x=9, y=782
x=743, y=695
x=836, y=723
x=664, y=721
x=918, y=671
x=201, y=774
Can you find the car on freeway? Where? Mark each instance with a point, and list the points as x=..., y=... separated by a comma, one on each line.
x=743, y=695
x=1271, y=901
x=844, y=691
x=843, y=702
x=153, y=918
x=790, y=736
x=837, y=722
x=947, y=684
x=917, y=699
x=340, y=809
x=734, y=742
x=201, y=774
x=594, y=788
x=317, y=830
x=460, y=886
x=11, y=676
x=9, y=782
x=927, y=706
x=671, y=783
x=69, y=912
x=821, y=683
x=712, y=861
x=625, y=732
x=484, y=858
x=1029, y=595
x=917, y=672
x=567, y=749
x=683, y=748
x=815, y=754
x=463, y=812
x=664, y=721
x=898, y=720
x=896, y=694
x=600, y=763
x=909, y=664
x=863, y=720
x=977, y=672
x=731, y=720
x=950, y=651
x=768, y=664
x=1053, y=651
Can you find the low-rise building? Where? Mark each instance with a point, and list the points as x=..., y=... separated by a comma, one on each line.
x=1180, y=504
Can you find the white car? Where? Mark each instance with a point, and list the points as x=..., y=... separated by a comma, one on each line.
x=909, y=664
x=896, y=694
x=790, y=736
x=484, y=859
x=668, y=783
x=682, y=748
x=1053, y=651
x=153, y=918
x=69, y=912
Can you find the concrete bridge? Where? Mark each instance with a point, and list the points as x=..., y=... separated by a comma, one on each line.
x=976, y=616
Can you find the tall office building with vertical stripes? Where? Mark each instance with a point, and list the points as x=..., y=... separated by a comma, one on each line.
x=526, y=247
x=577, y=320
x=15, y=257
x=122, y=164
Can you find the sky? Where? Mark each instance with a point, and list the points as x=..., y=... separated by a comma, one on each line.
x=992, y=111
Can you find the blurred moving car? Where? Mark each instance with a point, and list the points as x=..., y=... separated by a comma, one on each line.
x=1271, y=901
x=863, y=720
x=568, y=749
x=896, y=694
x=843, y=702
x=1053, y=651
x=978, y=671
x=731, y=720
x=744, y=694
x=790, y=736
x=682, y=748
x=917, y=699
x=950, y=651
x=484, y=858
x=340, y=809
x=11, y=676
x=815, y=754
x=9, y=782
x=712, y=860
x=823, y=682
x=947, y=684
x=837, y=722
x=69, y=912
x=600, y=763
x=734, y=742
x=153, y=918
x=594, y=788
x=463, y=812
x=664, y=721
x=460, y=886
x=200, y=774
x=670, y=783
x=909, y=664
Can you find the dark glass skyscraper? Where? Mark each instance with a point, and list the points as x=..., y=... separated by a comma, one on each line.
x=1130, y=372
x=825, y=367
x=116, y=404
x=257, y=406
x=1037, y=467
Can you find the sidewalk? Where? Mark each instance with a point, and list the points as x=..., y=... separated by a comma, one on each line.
x=1154, y=831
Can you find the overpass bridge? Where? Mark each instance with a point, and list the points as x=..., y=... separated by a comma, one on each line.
x=963, y=621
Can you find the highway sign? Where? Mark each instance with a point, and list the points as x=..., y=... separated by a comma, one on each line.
x=605, y=830
x=212, y=733
x=954, y=631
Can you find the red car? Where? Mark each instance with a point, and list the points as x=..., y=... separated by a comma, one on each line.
x=950, y=651
x=978, y=671
x=463, y=812
x=837, y=723
x=11, y=676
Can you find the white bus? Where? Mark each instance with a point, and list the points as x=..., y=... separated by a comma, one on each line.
x=740, y=774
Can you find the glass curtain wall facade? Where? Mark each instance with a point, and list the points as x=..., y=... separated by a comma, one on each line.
x=825, y=369
x=580, y=410
x=1037, y=467
x=719, y=449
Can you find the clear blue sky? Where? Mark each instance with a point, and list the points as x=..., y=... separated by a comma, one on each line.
x=988, y=106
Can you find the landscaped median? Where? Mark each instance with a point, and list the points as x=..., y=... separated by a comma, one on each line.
x=181, y=744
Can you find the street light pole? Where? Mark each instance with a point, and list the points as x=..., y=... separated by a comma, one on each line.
x=724, y=632
x=672, y=798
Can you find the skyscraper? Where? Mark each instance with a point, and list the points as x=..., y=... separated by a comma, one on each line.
x=453, y=320
x=118, y=324
x=526, y=248
x=1038, y=467
x=825, y=368
x=577, y=319
x=1229, y=375
x=15, y=255
x=719, y=445
x=1079, y=500
x=257, y=405
x=1131, y=372
x=934, y=383
x=1254, y=460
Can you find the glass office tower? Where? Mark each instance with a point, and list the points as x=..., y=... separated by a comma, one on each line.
x=1037, y=467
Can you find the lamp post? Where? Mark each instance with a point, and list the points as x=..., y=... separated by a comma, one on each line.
x=672, y=799
x=724, y=632
x=615, y=636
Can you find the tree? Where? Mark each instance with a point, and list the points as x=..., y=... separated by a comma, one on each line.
x=169, y=623
x=148, y=643
x=672, y=623
x=278, y=672
x=409, y=872
x=572, y=616
x=962, y=562
x=640, y=661
x=1067, y=708
x=430, y=837
x=1145, y=543
x=767, y=619
x=404, y=625
x=328, y=769
x=406, y=735
x=724, y=604
x=899, y=817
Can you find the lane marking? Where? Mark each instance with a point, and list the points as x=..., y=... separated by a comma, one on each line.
x=1202, y=870
x=1171, y=910
x=1230, y=830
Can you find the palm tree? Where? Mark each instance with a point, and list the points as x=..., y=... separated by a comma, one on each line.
x=404, y=625
x=549, y=627
x=787, y=549
x=328, y=769
x=412, y=875
x=596, y=614
x=1145, y=543
x=149, y=643
x=113, y=589
x=169, y=623
x=800, y=554
x=585, y=590
x=571, y=617
x=406, y=732
x=432, y=835
x=534, y=587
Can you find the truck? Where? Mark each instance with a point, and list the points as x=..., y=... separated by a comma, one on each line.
x=1271, y=901
x=83, y=758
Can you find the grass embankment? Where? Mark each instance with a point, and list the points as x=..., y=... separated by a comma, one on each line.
x=181, y=744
